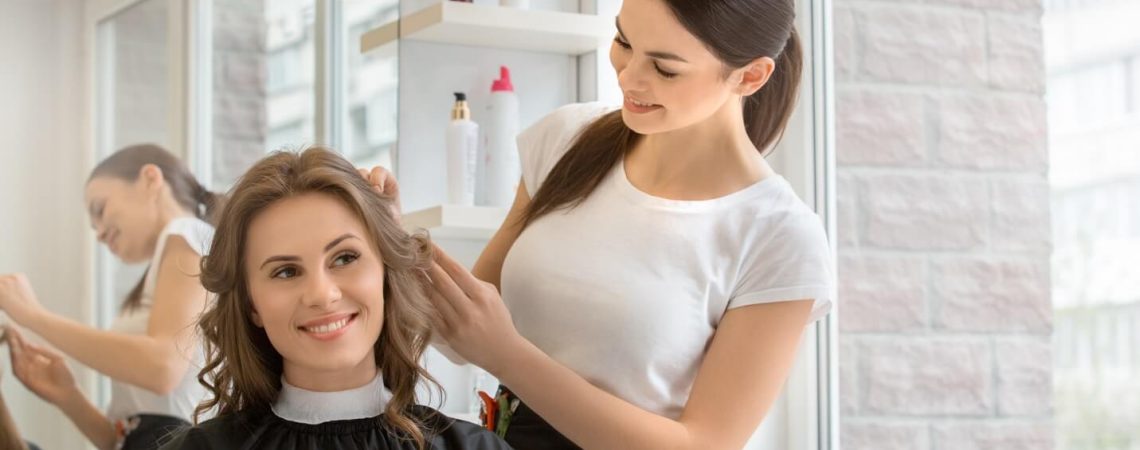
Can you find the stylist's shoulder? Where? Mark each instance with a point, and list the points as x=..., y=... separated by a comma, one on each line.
x=543, y=143
x=566, y=121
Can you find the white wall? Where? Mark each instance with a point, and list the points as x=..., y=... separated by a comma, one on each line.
x=42, y=227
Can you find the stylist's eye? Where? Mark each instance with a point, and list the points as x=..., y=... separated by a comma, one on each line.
x=284, y=273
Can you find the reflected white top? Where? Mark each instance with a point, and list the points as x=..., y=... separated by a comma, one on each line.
x=127, y=399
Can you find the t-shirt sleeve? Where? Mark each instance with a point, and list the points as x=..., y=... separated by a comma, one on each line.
x=543, y=144
x=795, y=263
x=198, y=234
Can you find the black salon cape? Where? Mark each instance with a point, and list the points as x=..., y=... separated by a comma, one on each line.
x=264, y=430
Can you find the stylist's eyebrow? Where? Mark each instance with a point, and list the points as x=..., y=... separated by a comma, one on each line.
x=328, y=247
x=656, y=55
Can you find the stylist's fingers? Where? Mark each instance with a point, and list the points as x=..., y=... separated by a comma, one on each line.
x=462, y=278
x=445, y=316
x=15, y=341
x=444, y=309
x=25, y=353
x=451, y=296
x=18, y=354
x=386, y=181
x=378, y=178
x=43, y=352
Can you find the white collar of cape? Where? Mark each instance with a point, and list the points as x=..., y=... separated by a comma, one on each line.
x=303, y=406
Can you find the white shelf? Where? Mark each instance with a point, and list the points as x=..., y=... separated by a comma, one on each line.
x=460, y=23
x=457, y=222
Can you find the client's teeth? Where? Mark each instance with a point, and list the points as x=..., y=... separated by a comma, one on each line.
x=322, y=329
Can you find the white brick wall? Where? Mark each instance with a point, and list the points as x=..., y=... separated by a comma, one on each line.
x=944, y=233
x=923, y=375
x=920, y=44
x=993, y=434
x=1024, y=386
x=884, y=435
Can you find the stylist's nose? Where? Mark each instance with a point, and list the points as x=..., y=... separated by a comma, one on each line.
x=631, y=77
x=321, y=290
x=100, y=232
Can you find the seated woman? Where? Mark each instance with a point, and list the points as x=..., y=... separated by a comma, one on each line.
x=321, y=318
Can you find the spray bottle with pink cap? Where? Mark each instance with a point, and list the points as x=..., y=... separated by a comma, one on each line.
x=500, y=162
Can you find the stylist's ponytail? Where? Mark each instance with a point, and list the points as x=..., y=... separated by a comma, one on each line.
x=767, y=112
x=210, y=204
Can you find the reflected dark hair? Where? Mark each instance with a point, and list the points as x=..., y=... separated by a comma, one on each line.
x=127, y=163
x=737, y=32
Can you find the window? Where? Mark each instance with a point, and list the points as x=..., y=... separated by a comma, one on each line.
x=1091, y=95
x=370, y=106
x=1094, y=113
x=262, y=55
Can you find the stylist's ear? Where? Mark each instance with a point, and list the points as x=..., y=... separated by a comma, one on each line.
x=151, y=176
x=754, y=76
x=256, y=318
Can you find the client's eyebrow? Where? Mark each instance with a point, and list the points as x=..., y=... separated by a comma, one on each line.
x=328, y=247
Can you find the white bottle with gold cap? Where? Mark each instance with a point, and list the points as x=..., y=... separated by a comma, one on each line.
x=462, y=148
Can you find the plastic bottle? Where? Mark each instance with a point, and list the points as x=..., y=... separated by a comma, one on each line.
x=462, y=151
x=501, y=158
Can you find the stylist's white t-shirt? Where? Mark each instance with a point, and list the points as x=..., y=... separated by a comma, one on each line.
x=627, y=289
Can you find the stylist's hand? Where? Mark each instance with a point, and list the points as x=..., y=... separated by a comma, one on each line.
x=385, y=184
x=41, y=370
x=472, y=317
x=17, y=297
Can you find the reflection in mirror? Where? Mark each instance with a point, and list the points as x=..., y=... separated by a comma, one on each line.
x=132, y=94
x=265, y=57
x=263, y=100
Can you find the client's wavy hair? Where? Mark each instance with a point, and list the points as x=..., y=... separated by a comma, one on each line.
x=243, y=370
